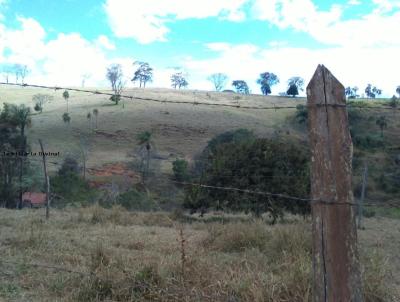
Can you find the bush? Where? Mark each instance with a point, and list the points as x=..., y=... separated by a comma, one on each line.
x=180, y=169
x=265, y=165
x=70, y=186
x=368, y=142
x=137, y=201
x=38, y=107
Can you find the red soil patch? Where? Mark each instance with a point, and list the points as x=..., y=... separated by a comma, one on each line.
x=109, y=170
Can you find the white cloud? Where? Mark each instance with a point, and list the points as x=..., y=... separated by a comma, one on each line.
x=354, y=2
x=60, y=61
x=375, y=29
x=104, y=42
x=146, y=21
x=384, y=6
x=27, y=40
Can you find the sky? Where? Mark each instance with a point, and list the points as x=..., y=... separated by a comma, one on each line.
x=63, y=41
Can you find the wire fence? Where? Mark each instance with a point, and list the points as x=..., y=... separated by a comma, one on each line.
x=237, y=106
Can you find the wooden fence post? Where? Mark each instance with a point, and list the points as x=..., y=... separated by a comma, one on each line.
x=336, y=272
x=47, y=182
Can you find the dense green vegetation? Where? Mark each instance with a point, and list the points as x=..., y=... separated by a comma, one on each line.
x=375, y=143
x=240, y=160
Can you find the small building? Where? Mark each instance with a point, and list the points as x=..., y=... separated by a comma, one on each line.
x=33, y=199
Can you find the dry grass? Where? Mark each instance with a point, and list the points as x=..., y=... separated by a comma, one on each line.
x=178, y=130
x=122, y=256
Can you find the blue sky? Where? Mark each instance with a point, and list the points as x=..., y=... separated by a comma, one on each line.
x=61, y=41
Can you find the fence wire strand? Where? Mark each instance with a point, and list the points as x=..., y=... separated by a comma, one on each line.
x=237, y=106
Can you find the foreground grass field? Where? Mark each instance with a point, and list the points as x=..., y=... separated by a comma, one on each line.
x=94, y=254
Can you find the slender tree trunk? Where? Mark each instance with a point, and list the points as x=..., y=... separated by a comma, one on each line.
x=21, y=169
x=47, y=182
x=148, y=162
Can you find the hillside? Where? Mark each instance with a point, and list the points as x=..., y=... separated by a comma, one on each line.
x=183, y=130
x=179, y=130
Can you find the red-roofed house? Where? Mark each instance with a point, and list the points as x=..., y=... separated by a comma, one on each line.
x=34, y=200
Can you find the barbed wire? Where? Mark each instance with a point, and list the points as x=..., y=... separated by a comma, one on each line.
x=237, y=106
x=246, y=191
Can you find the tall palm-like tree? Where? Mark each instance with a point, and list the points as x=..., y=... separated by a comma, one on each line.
x=89, y=118
x=145, y=141
x=382, y=123
x=66, y=97
x=20, y=117
x=96, y=114
x=66, y=118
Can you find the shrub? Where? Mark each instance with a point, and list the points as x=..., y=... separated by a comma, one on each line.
x=180, y=169
x=138, y=201
x=70, y=186
x=265, y=165
x=38, y=107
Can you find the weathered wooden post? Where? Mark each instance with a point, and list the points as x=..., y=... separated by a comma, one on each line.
x=337, y=276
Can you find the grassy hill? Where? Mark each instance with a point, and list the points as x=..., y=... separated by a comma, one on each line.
x=179, y=130
x=97, y=254
x=182, y=130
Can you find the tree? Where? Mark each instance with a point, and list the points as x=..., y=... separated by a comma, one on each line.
x=66, y=118
x=69, y=166
x=382, y=123
x=23, y=71
x=372, y=91
x=351, y=93
x=38, y=108
x=7, y=69
x=84, y=78
x=89, y=118
x=143, y=74
x=13, y=169
x=292, y=90
x=40, y=100
x=20, y=117
x=241, y=86
x=96, y=114
x=377, y=91
x=145, y=141
x=398, y=90
x=180, y=169
x=66, y=97
x=394, y=102
x=114, y=75
x=178, y=80
x=267, y=165
x=219, y=80
x=294, y=85
x=266, y=80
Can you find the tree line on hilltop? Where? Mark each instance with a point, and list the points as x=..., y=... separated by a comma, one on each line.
x=179, y=79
